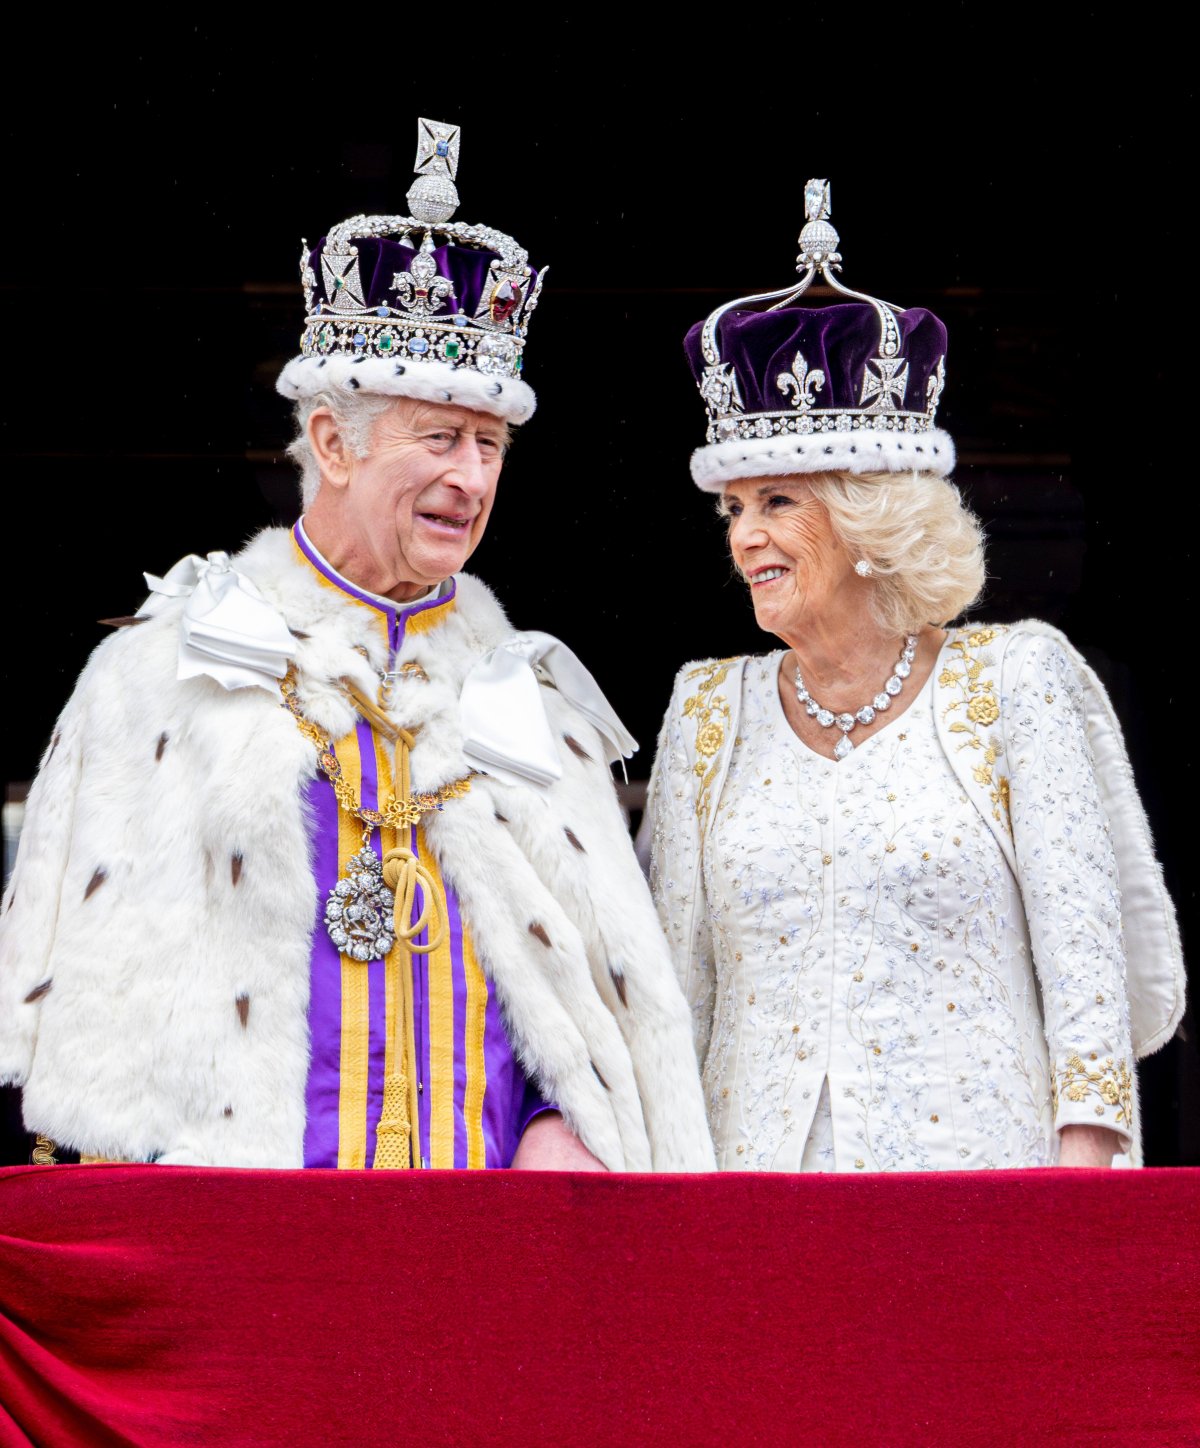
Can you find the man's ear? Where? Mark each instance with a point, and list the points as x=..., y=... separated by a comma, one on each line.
x=329, y=447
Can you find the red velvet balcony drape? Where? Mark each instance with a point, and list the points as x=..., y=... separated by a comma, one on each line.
x=158, y=1305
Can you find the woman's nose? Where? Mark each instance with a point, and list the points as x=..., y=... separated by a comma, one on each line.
x=746, y=532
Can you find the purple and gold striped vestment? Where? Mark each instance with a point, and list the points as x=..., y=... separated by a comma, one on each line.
x=473, y=1098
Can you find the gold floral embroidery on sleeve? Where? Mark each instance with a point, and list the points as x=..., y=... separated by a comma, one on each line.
x=710, y=711
x=1110, y=1084
x=977, y=699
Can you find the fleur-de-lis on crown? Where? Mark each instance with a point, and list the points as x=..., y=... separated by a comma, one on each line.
x=802, y=382
x=422, y=290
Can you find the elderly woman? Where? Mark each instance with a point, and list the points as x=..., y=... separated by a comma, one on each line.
x=900, y=864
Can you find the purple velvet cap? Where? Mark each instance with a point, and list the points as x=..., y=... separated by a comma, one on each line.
x=821, y=390
x=381, y=259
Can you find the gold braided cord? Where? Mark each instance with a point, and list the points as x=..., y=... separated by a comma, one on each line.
x=402, y=873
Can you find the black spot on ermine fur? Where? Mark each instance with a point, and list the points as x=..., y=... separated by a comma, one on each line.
x=38, y=992
x=96, y=881
x=243, y=1009
x=162, y=744
x=574, y=838
x=235, y=868
x=540, y=931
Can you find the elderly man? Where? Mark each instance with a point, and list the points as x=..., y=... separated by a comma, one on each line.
x=324, y=864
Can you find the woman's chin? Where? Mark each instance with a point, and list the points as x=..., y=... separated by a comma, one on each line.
x=769, y=614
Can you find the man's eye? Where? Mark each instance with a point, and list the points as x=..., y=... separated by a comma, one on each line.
x=440, y=436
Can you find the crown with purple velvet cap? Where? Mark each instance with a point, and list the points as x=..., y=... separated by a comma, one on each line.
x=418, y=306
x=852, y=387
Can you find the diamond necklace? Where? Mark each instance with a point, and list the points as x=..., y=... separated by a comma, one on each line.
x=883, y=700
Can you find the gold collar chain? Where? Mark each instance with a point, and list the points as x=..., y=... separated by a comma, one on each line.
x=400, y=811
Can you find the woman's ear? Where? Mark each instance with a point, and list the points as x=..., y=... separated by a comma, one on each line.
x=328, y=443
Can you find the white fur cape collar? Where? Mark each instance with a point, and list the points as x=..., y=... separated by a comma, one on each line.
x=154, y=957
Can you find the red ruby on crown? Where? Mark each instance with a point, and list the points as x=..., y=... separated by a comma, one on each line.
x=505, y=301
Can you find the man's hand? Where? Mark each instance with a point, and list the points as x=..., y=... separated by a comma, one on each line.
x=547, y=1145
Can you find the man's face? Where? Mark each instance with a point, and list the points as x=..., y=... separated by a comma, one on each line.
x=420, y=501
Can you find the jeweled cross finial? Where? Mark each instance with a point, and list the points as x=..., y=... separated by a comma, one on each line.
x=437, y=149
x=432, y=196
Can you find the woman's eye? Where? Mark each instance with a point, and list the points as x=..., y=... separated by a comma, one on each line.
x=779, y=500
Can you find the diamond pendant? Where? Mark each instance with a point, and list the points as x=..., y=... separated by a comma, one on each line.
x=842, y=747
x=358, y=911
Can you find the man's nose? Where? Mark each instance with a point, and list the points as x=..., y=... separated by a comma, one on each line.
x=468, y=469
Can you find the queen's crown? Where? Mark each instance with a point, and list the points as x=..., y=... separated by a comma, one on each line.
x=864, y=370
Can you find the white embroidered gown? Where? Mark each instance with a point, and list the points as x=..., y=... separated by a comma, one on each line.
x=866, y=995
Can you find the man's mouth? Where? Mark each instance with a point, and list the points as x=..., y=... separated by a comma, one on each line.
x=444, y=520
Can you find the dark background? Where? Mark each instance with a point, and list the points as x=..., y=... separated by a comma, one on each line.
x=159, y=181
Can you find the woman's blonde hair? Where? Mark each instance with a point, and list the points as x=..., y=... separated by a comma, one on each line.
x=924, y=545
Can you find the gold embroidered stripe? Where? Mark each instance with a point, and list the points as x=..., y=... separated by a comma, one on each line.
x=440, y=996
x=356, y=995
x=477, y=1001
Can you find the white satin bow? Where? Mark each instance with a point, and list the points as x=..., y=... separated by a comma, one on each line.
x=505, y=729
x=227, y=629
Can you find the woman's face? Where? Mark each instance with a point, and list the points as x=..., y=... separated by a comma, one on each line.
x=784, y=547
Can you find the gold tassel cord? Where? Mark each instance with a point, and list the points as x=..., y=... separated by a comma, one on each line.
x=402, y=873
x=373, y=714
